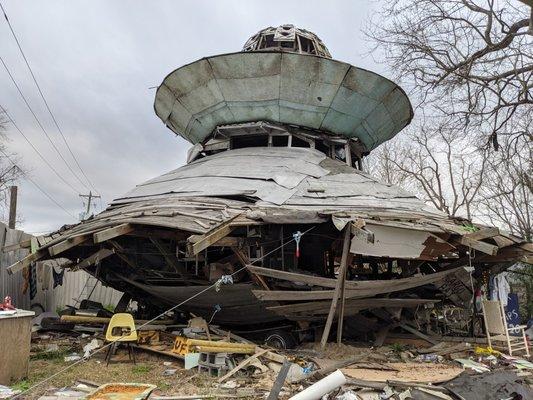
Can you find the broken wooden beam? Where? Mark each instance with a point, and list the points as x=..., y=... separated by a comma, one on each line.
x=169, y=257
x=197, y=243
x=486, y=248
x=484, y=233
x=353, y=288
x=110, y=233
x=26, y=261
x=25, y=244
x=93, y=259
x=68, y=244
x=245, y=261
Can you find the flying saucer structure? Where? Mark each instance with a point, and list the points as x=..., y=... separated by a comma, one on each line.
x=272, y=206
x=283, y=75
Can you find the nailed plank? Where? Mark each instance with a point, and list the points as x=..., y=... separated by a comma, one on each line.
x=362, y=288
x=197, y=243
x=241, y=365
x=13, y=247
x=486, y=248
x=321, y=307
x=94, y=258
x=502, y=241
x=67, y=244
x=245, y=261
x=483, y=234
x=292, y=276
x=26, y=261
x=111, y=233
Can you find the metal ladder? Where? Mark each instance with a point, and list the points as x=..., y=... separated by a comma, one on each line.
x=87, y=290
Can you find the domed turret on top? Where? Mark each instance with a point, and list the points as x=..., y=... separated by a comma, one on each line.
x=287, y=38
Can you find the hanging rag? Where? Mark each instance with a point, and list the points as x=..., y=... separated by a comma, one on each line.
x=58, y=277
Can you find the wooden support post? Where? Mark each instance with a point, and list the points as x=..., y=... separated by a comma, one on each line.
x=340, y=319
x=339, y=284
x=13, y=206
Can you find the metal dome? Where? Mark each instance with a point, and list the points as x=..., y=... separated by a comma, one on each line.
x=287, y=38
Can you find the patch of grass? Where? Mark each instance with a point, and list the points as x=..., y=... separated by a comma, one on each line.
x=49, y=355
x=141, y=369
x=162, y=385
x=21, y=385
x=397, y=347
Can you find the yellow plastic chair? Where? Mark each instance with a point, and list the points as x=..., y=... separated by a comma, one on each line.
x=121, y=329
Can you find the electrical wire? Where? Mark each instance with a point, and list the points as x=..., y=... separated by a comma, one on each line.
x=39, y=187
x=4, y=111
x=217, y=283
x=39, y=122
x=44, y=98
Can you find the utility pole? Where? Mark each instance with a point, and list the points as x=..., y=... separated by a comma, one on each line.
x=90, y=198
x=13, y=206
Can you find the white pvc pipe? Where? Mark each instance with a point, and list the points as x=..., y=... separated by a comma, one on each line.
x=322, y=387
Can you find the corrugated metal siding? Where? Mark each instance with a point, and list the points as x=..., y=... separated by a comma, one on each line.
x=11, y=285
x=49, y=297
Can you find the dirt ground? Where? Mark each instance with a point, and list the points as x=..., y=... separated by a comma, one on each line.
x=149, y=368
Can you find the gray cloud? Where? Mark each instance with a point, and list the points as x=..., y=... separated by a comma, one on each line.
x=96, y=61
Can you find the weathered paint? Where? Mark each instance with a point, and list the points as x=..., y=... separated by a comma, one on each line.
x=298, y=89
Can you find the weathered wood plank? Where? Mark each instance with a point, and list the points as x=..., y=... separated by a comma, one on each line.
x=26, y=261
x=339, y=286
x=93, y=259
x=167, y=254
x=111, y=233
x=483, y=234
x=25, y=244
x=366, y=288
x=486, y=248
x=197, y=243
x=68, y=244
x=245, y=261
x=321, y=307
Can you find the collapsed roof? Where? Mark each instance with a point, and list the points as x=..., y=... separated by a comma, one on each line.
x=278, y=131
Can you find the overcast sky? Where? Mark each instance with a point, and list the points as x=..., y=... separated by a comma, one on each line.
x=98, y=63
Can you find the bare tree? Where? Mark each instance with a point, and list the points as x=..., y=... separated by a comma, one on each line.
x=506, y=197
x=470, y=59
x=436, y=163
x=9, y=173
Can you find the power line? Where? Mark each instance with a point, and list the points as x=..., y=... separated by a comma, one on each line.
x=38, y=187
x=44, y=99
x=37, y=151
x=39, y=122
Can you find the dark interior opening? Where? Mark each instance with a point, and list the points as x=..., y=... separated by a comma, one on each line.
x=239, y=142
x=280, y=141
x=297, y=142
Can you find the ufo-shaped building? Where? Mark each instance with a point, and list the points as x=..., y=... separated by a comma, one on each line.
x=272, y=207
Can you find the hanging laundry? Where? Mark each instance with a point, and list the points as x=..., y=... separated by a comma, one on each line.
x=33, y=281
x=499, y=288
x=58, y=277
